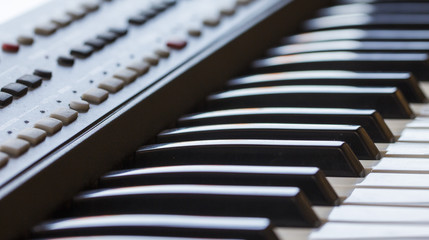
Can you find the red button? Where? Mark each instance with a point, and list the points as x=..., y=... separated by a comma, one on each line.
x=177, y=44
x=9, y=47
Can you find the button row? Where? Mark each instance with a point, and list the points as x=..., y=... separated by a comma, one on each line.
x=20, y=87
x=15, y=147
x=66, y=19
x=91, y=45
x=145, y=15
x=52, y=26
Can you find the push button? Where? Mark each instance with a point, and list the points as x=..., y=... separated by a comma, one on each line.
x=15, y=147
x=152, y=59
x=139, y=66
x=111, y=85
x=126, y=75
x=43, y=73
x=176, y=44
x=4, y=159
x=45, y=29
x=77, y=13
x=62, y=21
x=108, y=37
x=95, y=95
x=25, y=40
x=49, y=125
x=95, y=43
x=5, y=99
x=10, y=47
x=162, y=52
x=16, y=89
x=33, y=135
x=65, y=61
x=82, y=51
x=79, y=105
x=65, y=115
x=119, y=31
x=31, y=81
x=137, y=20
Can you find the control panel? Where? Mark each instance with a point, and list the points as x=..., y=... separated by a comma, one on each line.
x=67, y=64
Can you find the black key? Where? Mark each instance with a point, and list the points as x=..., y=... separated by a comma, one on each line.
x=371, y=120
x=397, y=7
x=32, y=81
x=350, y=45
x=389, y=101
x=107, y=37
x=359, y=34
x=355, y=136
x=148, y=13
x=65, y=61
x=335, y=158
x=45, y=74
x=15, y=89
x=83, y=51
x=5, y=99
x=416, y=63
x=403, y=81
x=284, y=206
x=385, y=20
x=310, y=180
x=119, y=31
x=160, y=225
x=137, y=20
x=96, y=44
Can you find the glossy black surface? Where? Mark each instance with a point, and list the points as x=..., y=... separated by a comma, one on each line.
x=45, y=74
x=284, y=206
x=403, y=81
x=159, y=225
x=5, y=99
x=355, y=136
x=387, y=100
x=415, y=63
x=32, y=81
x=83, y=51
x=310, y=180
x=15, y=89
x=371, y=120
x=333, y=157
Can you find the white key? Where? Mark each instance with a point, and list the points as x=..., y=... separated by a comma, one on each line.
x=379, y=214
x=404, y=149
x=414, y=135
x=389, y=197
x=379, y=231
x=404, y=165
